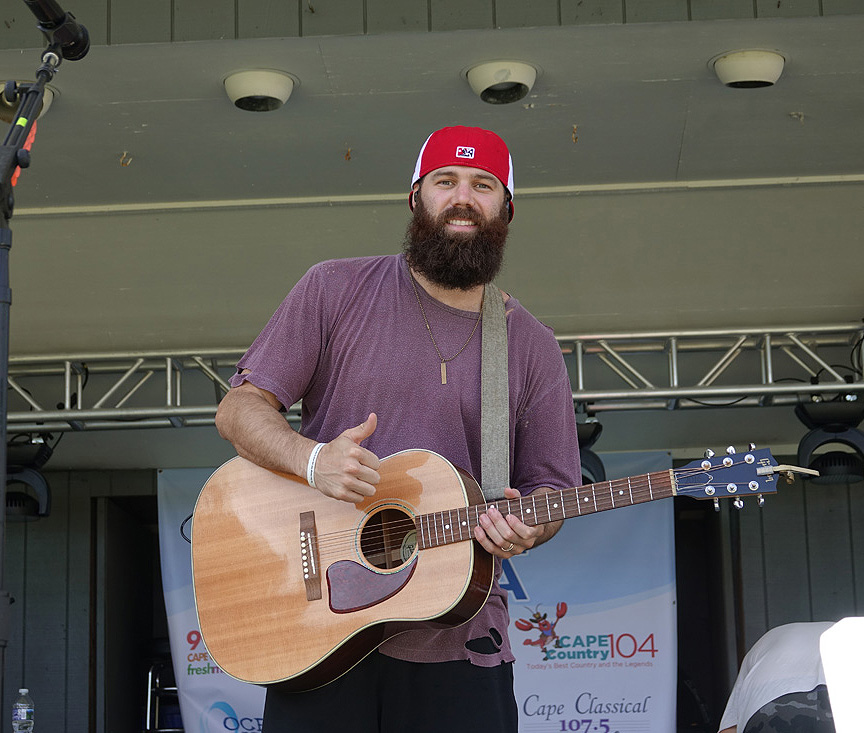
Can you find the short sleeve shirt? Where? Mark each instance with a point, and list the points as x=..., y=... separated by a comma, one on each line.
x=350, y=338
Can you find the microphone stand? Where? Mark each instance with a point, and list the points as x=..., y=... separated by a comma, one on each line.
x=14, y=154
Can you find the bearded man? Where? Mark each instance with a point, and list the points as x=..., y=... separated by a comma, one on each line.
x=385, y=354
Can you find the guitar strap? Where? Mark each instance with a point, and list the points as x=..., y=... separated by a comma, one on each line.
x=494, y=398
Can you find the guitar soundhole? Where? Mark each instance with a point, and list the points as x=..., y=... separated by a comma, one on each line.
x=388, y=539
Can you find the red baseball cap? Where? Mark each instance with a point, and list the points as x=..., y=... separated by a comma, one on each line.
x=469, y=146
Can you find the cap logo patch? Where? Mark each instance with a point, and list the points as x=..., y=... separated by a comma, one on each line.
x=464, y=152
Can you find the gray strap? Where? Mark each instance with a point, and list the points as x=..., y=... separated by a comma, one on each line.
x=495, y=398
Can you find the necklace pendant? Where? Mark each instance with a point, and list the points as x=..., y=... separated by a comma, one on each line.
x=443, y=372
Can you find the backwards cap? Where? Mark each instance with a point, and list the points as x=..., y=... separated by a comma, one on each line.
x=469, y=146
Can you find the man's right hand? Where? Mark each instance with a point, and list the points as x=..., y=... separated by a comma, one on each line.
x=345, y=470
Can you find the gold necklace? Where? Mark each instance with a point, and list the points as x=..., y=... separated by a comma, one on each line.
x=432, y=336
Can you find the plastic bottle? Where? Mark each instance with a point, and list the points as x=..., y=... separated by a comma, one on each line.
x=22, y=712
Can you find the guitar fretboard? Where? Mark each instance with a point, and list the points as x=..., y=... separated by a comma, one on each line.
x=456, y=525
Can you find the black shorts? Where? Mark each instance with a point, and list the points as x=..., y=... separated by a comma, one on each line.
x=385, y=695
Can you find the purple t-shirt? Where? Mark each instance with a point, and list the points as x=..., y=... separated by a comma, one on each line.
x=350, y=339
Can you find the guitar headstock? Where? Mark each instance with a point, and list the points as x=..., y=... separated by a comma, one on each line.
x=732, y=476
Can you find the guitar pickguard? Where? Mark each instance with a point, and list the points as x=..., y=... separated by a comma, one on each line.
x=354, y=587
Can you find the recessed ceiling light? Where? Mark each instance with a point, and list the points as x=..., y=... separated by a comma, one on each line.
x=502, y=82
x=749, y=69
x=259, y=90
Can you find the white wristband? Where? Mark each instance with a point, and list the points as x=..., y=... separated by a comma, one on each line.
x=310, y=467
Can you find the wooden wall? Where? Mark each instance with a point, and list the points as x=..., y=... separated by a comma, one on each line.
x=158, y=21
x=70, y=617
x=801, y=557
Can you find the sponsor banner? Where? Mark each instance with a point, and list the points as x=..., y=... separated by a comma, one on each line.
x=592, y=620
x=210, y=700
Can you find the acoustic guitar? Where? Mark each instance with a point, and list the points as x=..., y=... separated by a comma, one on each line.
x=295, y=587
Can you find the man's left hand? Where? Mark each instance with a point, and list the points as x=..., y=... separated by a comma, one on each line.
x=505, y=535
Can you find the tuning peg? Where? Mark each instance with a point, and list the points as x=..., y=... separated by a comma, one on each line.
x=760, y=500
x=731, y=450
x=709, y=453
x=751, y=446
x=716, y=504
x=738, y=503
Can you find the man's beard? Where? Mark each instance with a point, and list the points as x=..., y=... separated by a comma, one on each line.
x=452, y=259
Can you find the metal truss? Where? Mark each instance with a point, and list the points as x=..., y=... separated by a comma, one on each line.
x=754, y=367
x=636, y=371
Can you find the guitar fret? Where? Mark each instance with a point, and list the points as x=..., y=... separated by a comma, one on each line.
x=438, y=528
x=441, y=528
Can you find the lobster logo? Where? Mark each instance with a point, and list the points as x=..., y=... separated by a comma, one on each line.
x=540, y=622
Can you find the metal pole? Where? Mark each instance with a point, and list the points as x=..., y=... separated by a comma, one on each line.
x=65, y=39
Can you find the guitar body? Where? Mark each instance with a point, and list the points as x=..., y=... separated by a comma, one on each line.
x=294, y=587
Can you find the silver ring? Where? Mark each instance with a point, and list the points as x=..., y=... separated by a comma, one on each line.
x=508, y=549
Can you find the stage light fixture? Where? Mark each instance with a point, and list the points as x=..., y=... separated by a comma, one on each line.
x=832, y=423
x=23, y=506
x=593, y=470
x=24, y=458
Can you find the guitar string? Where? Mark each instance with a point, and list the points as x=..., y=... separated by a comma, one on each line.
x=641, y=489
x=348, y=538
x=600, y=491
x=636, y=487
x=341, y=541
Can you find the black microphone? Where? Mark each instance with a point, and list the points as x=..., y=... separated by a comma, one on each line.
x=61, y=28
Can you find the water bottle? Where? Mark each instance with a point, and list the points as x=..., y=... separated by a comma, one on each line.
x=22, y=712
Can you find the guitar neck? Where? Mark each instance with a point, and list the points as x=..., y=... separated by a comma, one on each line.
x=456, y=525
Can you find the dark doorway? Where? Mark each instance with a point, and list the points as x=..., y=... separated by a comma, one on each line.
x=135, y=636
x=702, y=684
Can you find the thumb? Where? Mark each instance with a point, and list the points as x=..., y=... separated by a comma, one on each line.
x=362, y=431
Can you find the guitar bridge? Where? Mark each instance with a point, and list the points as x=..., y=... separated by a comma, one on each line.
x=309, y=556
